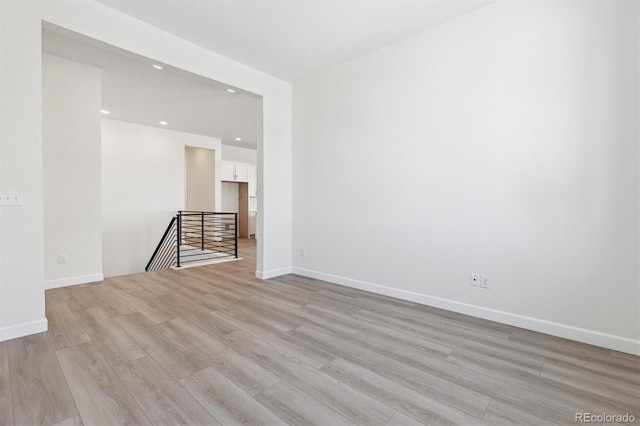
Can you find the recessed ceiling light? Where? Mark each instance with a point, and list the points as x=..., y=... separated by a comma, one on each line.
x=238, y=139
x=231, y=91
x=158, y=67
x=163, y=123
x=105, y=112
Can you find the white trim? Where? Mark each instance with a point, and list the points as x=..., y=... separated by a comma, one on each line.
x=65, y=282
x=265, y=275
x=24, y=329
x=205, y=262
x=609, y=341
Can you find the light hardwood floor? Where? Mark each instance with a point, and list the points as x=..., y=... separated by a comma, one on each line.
x=213, y=345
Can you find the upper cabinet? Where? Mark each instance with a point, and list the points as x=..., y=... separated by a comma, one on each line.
x=253, y=180
x=228, y=171
x=242, y=172
x=235, y=172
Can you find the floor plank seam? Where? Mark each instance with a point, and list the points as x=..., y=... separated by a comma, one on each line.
x=66, y=382
x=325, y=405
x=486, y=408
x=13, y=408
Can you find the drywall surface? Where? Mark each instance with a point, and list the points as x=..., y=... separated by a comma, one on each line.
x=21, y=229
x=230, y=197
x=239, y=155
x=200, y=188
x=502, y=143
x=71, y=150
x=143, y=181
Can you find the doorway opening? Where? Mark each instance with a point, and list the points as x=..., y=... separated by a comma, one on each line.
x=159, y=135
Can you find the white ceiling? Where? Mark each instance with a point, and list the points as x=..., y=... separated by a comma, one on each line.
x=132, y=90
x=289, y=39
x=292, y=39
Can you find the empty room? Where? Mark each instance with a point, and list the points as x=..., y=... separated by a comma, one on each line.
x=318, y=212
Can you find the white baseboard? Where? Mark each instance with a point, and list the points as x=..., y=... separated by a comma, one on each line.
x=597, y=338
x=205, y=263
x=265, y=275
x=24, y=329
x=65, y=282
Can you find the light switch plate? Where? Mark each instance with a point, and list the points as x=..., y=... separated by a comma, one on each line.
x=485, y=282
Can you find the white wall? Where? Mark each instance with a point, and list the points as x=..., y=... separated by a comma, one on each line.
x=503, y=143
x=71, y=149
x=230, y=197
x=239, y=155
x=21, y=228
x=143, y=179
x=200, y=188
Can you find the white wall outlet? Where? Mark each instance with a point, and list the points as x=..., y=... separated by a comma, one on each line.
x=11, y=198
x=485, y=282
x=303, y=252
x=63, y=259
x=475, y=280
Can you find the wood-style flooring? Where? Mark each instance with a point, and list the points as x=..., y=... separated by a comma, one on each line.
x=213, y=345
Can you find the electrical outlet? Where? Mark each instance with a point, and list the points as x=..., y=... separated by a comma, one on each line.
x=11, y=198
x=475, y=280
x=485, y=282
x=63, y=259
x=303, y=252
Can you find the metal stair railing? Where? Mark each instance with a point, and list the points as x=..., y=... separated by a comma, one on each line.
x=194, y=236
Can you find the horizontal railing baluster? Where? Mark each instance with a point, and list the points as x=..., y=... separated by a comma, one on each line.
x=194, y=236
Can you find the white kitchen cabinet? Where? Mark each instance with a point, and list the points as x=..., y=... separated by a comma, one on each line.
x=244, y=175
x=253, y=180
x=235, y=172
x=252, y=224
x=228, y=170
x=242, y=172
